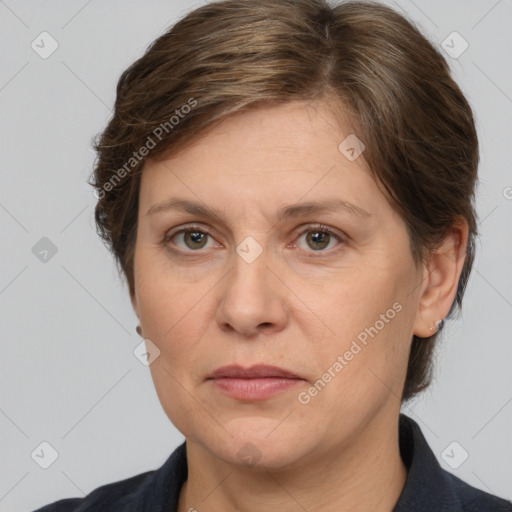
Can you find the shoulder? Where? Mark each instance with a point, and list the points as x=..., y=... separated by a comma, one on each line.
x=152, y=491
x=111, y=497
x=430, y=487
x=476, y=500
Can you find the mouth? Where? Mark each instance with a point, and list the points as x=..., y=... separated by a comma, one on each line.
x=255, y=383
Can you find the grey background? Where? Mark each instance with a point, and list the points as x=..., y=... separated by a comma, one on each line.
x=68, y=373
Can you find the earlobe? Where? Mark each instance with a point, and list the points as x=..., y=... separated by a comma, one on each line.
x=441, y=280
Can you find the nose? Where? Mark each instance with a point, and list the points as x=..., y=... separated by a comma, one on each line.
x=253, y=298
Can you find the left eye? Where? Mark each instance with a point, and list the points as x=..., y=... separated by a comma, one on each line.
x=319, y=237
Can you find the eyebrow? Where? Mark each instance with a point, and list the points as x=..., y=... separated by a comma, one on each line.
x=286, y=212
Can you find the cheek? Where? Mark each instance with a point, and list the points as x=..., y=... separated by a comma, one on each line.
x=162, y=298
x=369, y=317
x=350, y=301
x=166, y=314
x=170, y=314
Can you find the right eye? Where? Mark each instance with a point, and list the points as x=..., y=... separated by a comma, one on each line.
x=193, y=239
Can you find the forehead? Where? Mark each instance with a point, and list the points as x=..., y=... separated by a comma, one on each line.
x=290, y=153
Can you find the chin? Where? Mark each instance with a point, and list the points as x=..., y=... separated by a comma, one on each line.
x=261, y=445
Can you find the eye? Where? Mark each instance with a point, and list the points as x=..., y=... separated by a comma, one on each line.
x=193, y=238
x=319, y=237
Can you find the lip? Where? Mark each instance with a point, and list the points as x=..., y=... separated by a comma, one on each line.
x=259, y=371
x=255, y=383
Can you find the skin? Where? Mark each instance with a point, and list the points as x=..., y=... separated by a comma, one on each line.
x=295, y=306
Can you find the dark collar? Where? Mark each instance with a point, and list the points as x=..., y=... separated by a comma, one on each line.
x=427, y=487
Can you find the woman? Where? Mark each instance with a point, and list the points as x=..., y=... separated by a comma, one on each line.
x=288, y=190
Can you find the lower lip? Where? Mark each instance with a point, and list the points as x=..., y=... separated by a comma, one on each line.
x=254, y=389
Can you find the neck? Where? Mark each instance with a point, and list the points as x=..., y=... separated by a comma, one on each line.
x=364, y=474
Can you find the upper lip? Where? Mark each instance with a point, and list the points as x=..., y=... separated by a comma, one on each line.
x=253, y=372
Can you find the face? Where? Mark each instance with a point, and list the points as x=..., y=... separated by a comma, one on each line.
x=328, y=293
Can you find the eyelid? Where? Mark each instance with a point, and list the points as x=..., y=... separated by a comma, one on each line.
x=187, y=227
x=321, y=227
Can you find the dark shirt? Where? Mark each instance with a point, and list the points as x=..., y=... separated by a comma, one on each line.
x=428, y=488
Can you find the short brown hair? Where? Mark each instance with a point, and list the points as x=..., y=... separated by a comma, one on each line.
x=232, y=55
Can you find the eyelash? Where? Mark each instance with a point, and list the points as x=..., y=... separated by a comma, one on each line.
x=317, y=227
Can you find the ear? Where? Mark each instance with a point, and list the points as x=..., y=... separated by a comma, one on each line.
x=440, y=280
